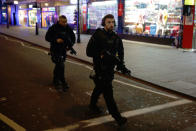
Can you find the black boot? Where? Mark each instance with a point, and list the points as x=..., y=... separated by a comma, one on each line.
x=64, y=85
x=121, y=120
x=56, y=84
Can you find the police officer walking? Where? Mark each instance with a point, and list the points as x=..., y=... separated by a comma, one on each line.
x=61, y=38
x=106, y=49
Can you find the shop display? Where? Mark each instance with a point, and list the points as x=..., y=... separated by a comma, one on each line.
x=69, y=12
x=48, y=16
x=22, y=17
x=4, y=15
x=97, y=10
x=153, y=17
x=32, y=17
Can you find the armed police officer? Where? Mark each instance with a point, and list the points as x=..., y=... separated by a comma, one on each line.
x=61, y=38
x=106, y=49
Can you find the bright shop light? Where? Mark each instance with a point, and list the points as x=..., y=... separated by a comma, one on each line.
x=30, y=6
x=73, y=1
x=46, y=4
x=15, y=2
x=103, y=3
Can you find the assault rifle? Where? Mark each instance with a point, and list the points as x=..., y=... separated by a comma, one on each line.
x=110, y=58
x=68, y=41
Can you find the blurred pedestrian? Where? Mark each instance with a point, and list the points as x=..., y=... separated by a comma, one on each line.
x=61, y=38
x=106, y=49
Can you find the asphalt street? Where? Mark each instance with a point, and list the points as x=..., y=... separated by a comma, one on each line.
x=28, y=100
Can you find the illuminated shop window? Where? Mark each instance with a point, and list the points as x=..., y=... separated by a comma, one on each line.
x=152, y=17
x=97, y=10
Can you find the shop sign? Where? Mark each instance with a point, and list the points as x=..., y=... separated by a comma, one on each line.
x=76, y=1
x=23, y=6
x=40, y=1
x=189, y=2
x=73, y=1
x=48, y=9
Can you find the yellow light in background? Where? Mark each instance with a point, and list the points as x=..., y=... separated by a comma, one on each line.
x=189, y=2
x=46, y=4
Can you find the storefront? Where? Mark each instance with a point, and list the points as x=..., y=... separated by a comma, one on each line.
x=32, y=17
x=23, y=15
x=194, y=32
x=97, y=10
x=4, y=15
x=152, y=17
x=69, y=12
x=48, y=16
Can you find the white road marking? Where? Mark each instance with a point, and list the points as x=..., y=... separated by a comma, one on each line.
x=67, y=128
x=124, y=83
x=108, y=118
x=6, y=37
x=138, y=87
x=22, y=44
x=11, y=123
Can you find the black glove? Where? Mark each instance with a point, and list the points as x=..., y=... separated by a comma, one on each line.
x=123, y=69
x=72, y=51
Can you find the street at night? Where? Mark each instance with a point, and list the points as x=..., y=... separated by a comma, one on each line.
x=30, y=102
x=58, y=56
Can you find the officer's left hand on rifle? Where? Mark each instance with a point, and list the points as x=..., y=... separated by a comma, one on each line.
x=70, y=47
x=112, y=59
x=72, y=51
x=121, y=67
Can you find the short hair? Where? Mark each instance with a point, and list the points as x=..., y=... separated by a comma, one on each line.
x=105, y=17
x=62, y=17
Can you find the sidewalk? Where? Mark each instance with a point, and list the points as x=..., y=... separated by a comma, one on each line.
x=162, y=65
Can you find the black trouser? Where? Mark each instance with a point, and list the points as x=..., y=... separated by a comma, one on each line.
x=105, y=87
x=59, y=72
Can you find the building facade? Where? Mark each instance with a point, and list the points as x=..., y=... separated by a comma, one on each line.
x=156, y=20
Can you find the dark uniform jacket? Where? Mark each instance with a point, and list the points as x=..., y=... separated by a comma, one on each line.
x=57, y=31
x=103, y=41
